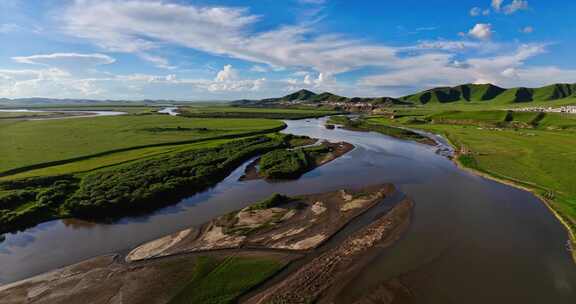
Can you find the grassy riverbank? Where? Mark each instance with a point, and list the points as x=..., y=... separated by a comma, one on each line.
x=530, y=150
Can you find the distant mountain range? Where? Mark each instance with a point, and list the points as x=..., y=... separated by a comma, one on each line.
x=460, y=93
x=40, y=101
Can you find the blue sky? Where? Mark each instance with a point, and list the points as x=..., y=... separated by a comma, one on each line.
x=221, y=50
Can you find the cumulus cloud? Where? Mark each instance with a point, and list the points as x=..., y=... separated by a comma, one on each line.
x=228, y=73
x=66, y=60
x=482, y=31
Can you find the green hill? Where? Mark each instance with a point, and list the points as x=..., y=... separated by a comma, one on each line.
x=491, y=93
x=441, y=95
x=465, y=92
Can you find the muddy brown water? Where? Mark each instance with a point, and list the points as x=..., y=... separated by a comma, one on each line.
x=472, y=240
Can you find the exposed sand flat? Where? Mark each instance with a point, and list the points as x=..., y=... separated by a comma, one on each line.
x=215, y=238
x=327, y=272
x=288, y=233
x=257, y=217
x=303, y=223
x=156, y=247
x=318, y=208
x=305, y=244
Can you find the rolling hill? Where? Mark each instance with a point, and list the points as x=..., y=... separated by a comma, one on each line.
x=442, y=95
x=492, y=93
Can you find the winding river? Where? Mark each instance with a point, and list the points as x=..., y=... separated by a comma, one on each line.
x=472, y=240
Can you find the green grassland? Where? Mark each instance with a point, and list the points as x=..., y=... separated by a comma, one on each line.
x=130, y=187
x=536, y=151
x=223, y=281
x=14, y=115
x=108, y=160
x=253, y=112
x=26, y=143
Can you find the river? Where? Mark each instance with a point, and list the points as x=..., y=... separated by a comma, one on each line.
x=472, y=240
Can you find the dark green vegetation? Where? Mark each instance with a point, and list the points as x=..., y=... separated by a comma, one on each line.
x=366, y=125
x=533, y=150
x=254, y=112
x=223, y=281
x=129, y=188
x=291, y=163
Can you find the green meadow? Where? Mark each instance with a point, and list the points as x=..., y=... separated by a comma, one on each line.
x=25, y=143
x=223, y=281
x=254, y=112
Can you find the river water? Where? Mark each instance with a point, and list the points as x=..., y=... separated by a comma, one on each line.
x=472, y=240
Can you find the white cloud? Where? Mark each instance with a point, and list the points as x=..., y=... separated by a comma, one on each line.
x=139, y=26
x=66, y=60
x=508, y=70
x=482, y=31
x=516, y=5
x=497, y=4
x=228, y=73
x=448, y=45
x=259, y=69
x=475, y=11
x=158, y=61
x=527, y=30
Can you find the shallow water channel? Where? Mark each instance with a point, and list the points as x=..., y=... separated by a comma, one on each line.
x=472, y=240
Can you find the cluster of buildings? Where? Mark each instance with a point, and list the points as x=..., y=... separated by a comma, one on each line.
x=563, y=109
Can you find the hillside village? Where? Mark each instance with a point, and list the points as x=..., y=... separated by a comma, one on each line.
x=563, y=109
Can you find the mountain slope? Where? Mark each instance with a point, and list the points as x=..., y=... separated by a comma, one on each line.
x=491, y=93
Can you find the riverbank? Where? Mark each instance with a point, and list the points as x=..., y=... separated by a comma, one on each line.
x=260, y=239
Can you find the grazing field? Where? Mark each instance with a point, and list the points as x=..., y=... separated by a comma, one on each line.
x=244, y=112
x=221, y=282
x=26, y=143
x=540, y=156
x=467, y=117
